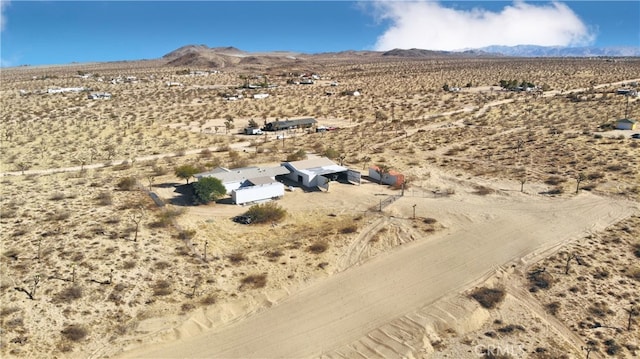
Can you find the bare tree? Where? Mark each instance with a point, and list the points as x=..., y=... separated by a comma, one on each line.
x=567, y=265
x=633, y=311
x=137, y=217
x=579, y=178
x=32, y=293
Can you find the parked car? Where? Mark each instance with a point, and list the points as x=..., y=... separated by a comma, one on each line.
x=636, y=136
x=243, y=219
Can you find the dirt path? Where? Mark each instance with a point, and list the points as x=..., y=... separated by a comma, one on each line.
x=330, y=314
x=246, y=145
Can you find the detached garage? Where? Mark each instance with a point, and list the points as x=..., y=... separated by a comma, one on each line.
x=318, y=172
x=626, y=124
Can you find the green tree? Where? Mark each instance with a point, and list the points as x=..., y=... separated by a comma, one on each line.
x=208, y=189
x=186, y=172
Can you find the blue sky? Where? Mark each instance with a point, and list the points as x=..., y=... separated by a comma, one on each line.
x=57, y=32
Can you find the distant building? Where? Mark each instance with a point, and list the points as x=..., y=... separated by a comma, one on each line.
x=260, y=96
x=99, y=96
x=626, y=124
x=288, y=124
x=65, y=89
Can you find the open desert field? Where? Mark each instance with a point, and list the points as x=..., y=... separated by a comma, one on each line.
x=516, y=235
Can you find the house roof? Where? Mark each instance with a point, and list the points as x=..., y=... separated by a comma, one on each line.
x=318, y=166
x=241, y=174
x=627, y=120
x=261, y=180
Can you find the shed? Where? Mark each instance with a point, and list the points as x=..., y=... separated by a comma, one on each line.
x=257, y=190
x=392, y=178
x=626, y=124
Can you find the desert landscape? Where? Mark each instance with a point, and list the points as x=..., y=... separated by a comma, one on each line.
x=516, y=233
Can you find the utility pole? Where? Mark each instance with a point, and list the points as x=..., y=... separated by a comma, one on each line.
x=414, y=211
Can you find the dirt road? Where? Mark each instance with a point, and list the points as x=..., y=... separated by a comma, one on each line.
x=335, y=312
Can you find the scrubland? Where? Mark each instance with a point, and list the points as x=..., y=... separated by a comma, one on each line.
x=92, y=265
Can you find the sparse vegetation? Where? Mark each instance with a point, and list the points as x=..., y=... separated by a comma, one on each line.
x=488, y=297
x=266, y=213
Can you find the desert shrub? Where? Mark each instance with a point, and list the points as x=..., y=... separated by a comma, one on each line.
x=613, y=348
x=166, y=217
x=614, y=167
x=208, y=299
x=162, y=265
x=8, y=310
x=318, y=247
x=634, y=272
x=60, y=215
x=297, y=156
x=349, y=228
x=74, y=332
x=540, y=280
x=254, y=281
x=429, y=221
x=599, y=309
x=11, y=253
x=511, y=328
x=162, y=287
x=553, y=307
x=488, y=297
x=69, y=294
x=236, y=257
x=273, y=255
x=266, y=213
x=58, y=196
x=187, y=234
x=483, y=191
x=636, y=249
x=555, y=180
x=104, y=198
x=126, y=183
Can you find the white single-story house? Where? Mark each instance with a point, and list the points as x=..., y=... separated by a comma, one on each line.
x=66, y=89
x=318, y=172
x=626, y=124
x=249, y=184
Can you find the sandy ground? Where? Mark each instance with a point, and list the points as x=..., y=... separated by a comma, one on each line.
x=394, y=286
x=331, y=316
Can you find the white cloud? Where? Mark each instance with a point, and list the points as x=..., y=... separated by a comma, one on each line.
x=431, y=25
x=3, y=18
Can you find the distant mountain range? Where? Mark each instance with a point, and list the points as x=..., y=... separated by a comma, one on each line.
x=559, y=51
x=226, y=57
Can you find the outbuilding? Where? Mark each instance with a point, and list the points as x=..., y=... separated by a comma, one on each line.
x=318, y=172
x=626, y=124
x=249, y=184
x=391, y=177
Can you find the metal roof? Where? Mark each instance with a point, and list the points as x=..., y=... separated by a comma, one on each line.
x=242, y=174
x=319, y=166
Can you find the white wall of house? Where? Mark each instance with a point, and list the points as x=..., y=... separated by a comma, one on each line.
x=257, y=193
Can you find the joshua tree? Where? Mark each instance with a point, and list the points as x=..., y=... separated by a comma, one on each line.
x=633, y=312
x=382, y=169
x=31, y=294
x=136, y=217
x=579, y=178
